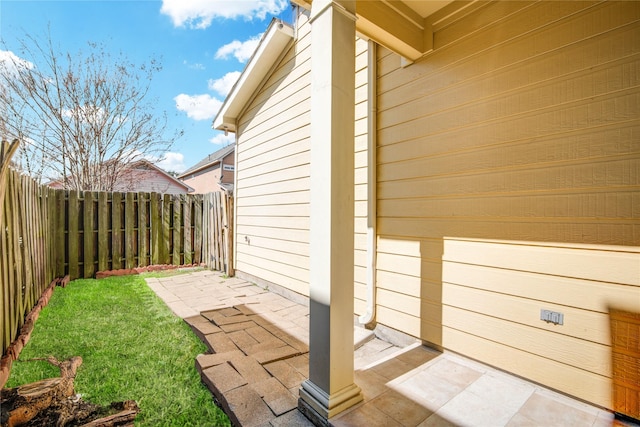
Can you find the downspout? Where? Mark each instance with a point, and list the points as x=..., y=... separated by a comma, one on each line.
x=368, y=318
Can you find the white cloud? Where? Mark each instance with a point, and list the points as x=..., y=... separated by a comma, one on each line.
x=221, y=139
x=10, y=62
x=242, y=51
x=200, y=13
x=198, y=107
x=223, y=85
x=172, y=162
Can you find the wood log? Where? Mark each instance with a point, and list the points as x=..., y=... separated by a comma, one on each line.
x=53, y=402
x=25, y=402
x=123, y=418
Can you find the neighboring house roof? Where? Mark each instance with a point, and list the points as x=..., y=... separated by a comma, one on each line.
x=139, y=177
x=272, y=45
x=210, y=160
x=145, y=163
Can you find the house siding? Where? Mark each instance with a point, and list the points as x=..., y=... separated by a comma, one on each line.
x=361, y=176
x=206, y=180
x=523, y=125
x=272, y=173
x=272, y=188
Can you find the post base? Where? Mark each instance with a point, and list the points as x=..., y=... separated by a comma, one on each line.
x=319, y=407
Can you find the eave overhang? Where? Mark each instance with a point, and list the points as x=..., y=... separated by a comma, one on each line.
x=405, y=27
x=278, y=36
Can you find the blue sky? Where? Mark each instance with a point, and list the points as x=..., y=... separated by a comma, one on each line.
x=203, y=46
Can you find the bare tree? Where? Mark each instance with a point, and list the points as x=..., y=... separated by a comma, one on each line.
x=83, y=118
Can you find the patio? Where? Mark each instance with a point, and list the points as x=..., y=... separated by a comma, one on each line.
x=258, y=341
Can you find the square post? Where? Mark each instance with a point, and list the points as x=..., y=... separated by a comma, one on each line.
x=330, y=388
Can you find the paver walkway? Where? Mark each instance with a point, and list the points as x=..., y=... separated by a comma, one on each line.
x=259, y=357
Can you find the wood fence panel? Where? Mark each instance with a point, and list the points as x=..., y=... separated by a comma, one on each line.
x=176, y=239
x=30, y=230
x=116, y=231
x=60, y=226
x=155, y=222
x=143, y=229
x=5, y=299
x=73, y=207
x=205, y=230
x=165, y=241
x=87, y=234
x=103, y=231
x=216, y=231
x=197, y=230
x=187, y=232
x=129, y=233
x=16, y=294
x=230, y=234
x=26, y=250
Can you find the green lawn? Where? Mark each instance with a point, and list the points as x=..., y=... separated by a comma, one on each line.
x=132, y=347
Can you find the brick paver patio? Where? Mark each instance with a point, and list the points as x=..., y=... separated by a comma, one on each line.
x=258, y=357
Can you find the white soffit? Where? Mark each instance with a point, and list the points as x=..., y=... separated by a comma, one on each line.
x=273, y=43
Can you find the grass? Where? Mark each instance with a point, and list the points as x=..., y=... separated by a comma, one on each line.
x=132, y=347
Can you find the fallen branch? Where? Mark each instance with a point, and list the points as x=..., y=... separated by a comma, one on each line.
x=53, y=402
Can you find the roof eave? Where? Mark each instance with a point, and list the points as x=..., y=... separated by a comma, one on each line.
x=191, y=172
x=275, y=40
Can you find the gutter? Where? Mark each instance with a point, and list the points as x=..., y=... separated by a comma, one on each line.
x=368, y=318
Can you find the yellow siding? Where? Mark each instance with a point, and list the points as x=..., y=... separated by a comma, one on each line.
x=273, y=164
x=523, y=124
x=493, y=293
x=360, y=226
x=272, y=187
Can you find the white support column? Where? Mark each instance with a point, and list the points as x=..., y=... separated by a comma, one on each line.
x=330, y=388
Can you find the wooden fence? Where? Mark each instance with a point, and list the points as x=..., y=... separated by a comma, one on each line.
x=47, y=233
x=100, y=231
x=26, y=261
x=217, y=232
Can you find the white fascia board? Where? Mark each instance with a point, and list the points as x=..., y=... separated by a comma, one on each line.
x=270, y=48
